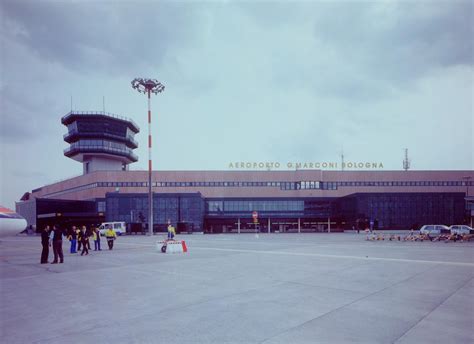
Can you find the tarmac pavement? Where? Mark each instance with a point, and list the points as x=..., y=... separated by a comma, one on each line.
x=240, y=288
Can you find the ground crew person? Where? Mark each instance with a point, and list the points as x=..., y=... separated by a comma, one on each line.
x=96, y=234
x=83, y=238
x=79, y=242
x=56, y=238
x=110, y=235
x=72, y=238
x=45, y=243
x=171, y=232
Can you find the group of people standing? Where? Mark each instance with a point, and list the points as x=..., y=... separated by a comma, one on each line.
x=79, y=238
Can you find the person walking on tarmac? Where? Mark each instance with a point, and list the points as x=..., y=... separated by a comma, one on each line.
x=171, y=232
x=79, y=244
x=56, y=237
x=73, y=239
x=96, y=235
x=89, y=235
x=110, y=235
x=83, y=238
x=45, y=243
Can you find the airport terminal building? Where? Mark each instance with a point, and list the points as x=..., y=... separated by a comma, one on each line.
x=307, y=200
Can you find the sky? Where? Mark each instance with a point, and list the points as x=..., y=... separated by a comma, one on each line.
x=260, y=81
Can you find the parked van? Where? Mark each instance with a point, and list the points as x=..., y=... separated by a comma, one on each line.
x=461, y=229
x=434, y=229
x=119, y=227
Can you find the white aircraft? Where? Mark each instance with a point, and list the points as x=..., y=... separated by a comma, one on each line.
x=10, y=222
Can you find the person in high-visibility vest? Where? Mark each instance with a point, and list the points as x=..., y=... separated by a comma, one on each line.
x=96, y=236
x=110, y=235
x=171, y=232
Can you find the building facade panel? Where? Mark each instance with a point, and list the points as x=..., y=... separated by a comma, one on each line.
x=258, y=184
x=341, y=196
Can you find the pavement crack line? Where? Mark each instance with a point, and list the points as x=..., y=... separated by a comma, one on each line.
x=348, y=304
x=435, y=308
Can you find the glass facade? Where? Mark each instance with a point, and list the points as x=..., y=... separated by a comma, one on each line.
x=90, y=125
x=311, y=207
x=322, y=208
x=101, y=206
x=403, y=210
x=390, y=210
x=257, y=205
x=133, y=208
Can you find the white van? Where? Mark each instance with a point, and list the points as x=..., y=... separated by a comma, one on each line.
x=460, y=229
x=434, y=229
x=119, y=227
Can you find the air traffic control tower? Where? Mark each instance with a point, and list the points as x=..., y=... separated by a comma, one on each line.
x=101, y=141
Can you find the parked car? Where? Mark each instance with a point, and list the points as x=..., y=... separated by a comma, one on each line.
x=461, y=229
x=434, y=229
x=119, y=227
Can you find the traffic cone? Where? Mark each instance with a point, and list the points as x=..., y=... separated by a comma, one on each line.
x=183, y=243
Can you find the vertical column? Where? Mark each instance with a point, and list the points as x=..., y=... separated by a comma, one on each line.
x=238, y=225
x=299, y=225
x=329, y=225
x=269, y=226
x=150, y=193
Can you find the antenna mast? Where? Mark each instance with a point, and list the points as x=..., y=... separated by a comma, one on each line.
x=342, y=160
x=406, y=162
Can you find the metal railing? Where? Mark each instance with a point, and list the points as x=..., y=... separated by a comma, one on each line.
x=101, y=113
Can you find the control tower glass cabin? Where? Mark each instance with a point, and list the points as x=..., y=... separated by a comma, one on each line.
x=101, y=141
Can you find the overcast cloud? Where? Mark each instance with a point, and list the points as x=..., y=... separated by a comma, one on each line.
x=245, y=81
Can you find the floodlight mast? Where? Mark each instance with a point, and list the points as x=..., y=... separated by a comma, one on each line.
x=148, y=86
